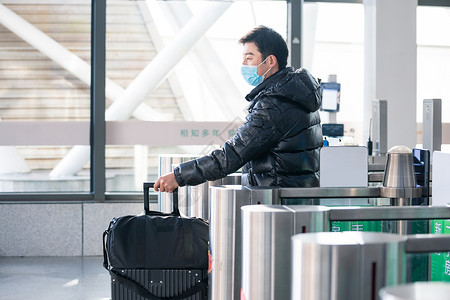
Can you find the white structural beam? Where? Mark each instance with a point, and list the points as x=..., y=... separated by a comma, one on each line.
x=13, y=162
x=66, y=59
x=157, y=70
x=390, y=66
x=159, y=44
x=149, y=78
x=212, y=72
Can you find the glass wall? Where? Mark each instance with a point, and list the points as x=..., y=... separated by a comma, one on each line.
x=173, y=83
x=334, y=44
x=175, y=69
x=433, y=62
x=44, y=93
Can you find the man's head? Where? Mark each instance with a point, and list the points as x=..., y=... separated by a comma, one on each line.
x=268, y=42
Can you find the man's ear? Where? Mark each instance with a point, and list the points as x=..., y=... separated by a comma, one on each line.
x=272, y=60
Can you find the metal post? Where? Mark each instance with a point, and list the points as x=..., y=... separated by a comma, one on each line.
x=294, y=32
x=432, y=125
x=226, y=240
x=97, y=132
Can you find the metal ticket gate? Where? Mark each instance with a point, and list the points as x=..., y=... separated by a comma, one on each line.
x=226, y=223
x=266, y=246
x=266, y=252
x=225, y=236
x=353, y=265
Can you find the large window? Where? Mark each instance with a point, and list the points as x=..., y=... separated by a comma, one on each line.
x=433, y=58
x=334, y=44
x=44, y=93
x=175, y=70
x=172, y=83
x=173, y=87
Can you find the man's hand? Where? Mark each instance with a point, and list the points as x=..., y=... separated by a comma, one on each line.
x=166, y=183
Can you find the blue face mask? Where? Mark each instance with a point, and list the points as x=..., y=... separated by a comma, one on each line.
x=250, y=74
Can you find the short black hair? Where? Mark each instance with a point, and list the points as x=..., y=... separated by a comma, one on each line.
x=269, y=42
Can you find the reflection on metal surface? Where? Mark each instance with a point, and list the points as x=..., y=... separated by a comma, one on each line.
x=192, y=200
x=377, y=162
x=354, y=265
x=399, y=168
x=409, y=192
x=388, y=213
x=376, y=176
x=166, y=165
x=266, y=246
x=399, y=182
x=426, y=243
x=198, y=199
x=337, y=201
x=198, y=195
x=232, y=179
x=347, y=192
x=265, y=195
x=345, y=265
x=225, y=240
x=261, y=248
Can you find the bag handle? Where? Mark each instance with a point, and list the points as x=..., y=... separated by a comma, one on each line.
x=147, y=186
x=142, y=291
x=176, y=211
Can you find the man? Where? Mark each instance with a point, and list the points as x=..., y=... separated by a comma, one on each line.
x=279, y=143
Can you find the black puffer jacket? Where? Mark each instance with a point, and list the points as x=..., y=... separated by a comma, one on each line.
x=279, y=143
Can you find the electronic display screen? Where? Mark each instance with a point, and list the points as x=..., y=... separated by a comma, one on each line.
x=331, y=94
x=333, y=130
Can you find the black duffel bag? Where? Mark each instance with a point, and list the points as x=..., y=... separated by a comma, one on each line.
x=156, y=241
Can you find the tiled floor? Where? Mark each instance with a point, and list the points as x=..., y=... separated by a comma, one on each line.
x=54, y=278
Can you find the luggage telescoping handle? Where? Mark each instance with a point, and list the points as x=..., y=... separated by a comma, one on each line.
x=147, y=187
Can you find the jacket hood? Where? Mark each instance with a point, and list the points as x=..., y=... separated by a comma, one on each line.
x=297, y=85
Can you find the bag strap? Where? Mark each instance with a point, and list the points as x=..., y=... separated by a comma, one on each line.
x=105, y=255
x=188, y=247
x=139, y=230
x=105, y=252
x=143, y=292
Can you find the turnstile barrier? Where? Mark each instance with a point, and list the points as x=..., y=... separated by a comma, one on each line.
x=266, y=259
x=225, y=225
x=225, y=235
x=353, y=265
